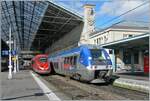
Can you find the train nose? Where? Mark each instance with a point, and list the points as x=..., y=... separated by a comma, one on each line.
x=44, y=66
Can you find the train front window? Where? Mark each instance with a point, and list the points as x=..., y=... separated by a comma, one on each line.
x=96, y=53
x=43, y=59
x=97, y=57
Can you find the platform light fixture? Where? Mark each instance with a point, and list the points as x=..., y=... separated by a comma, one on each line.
x=10, y=62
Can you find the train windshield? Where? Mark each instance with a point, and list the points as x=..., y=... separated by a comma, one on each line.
x=43, y=59
x=97, y=57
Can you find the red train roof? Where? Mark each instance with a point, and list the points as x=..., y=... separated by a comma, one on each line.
x=40, y=55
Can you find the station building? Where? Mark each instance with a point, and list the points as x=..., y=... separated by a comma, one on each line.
x=127, y=42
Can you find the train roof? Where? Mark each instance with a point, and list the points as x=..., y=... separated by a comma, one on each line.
x=75, y=50
x=40, y=55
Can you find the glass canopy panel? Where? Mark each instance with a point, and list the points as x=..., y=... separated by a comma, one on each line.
x=24, y=18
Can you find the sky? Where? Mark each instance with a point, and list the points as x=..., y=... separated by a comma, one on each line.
x=108, y=12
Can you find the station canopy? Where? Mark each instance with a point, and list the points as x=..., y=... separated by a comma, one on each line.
x=36, y=24
x=138, y=42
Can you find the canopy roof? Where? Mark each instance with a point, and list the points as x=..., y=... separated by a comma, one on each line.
x=138, y=42
x=36, y=24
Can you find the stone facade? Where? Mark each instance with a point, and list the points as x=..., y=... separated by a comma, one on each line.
x=114, y=34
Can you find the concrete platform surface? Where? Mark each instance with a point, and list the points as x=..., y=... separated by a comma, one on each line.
x=21, y=87
x=138, y=83
x=138, y=75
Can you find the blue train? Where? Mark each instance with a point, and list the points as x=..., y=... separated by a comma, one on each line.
x=85, y=63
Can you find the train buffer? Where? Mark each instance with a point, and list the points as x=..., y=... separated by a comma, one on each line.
x=24, y=86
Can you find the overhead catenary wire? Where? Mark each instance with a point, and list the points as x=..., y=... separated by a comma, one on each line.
x=123, y=14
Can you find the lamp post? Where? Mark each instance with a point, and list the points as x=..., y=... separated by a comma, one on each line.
x=10, y=65
x=17, y=60
x=15, y=57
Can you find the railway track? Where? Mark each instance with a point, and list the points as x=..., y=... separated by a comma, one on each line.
x=83, y=91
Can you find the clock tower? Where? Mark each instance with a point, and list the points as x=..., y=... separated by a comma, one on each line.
x=88, y=26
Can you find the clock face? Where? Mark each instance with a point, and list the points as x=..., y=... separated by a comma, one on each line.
x=90, y=12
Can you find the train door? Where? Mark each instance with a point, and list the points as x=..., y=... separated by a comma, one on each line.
x=73, y=62
x=60, y=64
x=77, y=61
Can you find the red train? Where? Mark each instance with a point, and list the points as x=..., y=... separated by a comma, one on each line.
x=40, y=64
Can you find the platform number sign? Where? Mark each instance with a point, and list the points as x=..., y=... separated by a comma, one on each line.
x=6, y=52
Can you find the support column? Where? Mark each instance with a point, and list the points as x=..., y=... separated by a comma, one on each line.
x=121, y=57
x=132, y=62
x=14, y=57
x=17, y=63
x=10, y=61
x=141, y=58
x=113, y=60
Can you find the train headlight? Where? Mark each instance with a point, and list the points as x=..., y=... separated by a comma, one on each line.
x=93, y=67
x=90, y=58
x=110, y=67
x=41, y=68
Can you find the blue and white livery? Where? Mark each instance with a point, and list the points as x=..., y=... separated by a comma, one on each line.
x=85, y=63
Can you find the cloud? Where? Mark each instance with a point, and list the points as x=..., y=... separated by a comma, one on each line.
x=118, y=7
x=110, y=10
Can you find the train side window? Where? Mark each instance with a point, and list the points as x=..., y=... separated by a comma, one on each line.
x=56, y=65
x=72, y=61
x=68, y=60
x=64, y=60
x=71, y=58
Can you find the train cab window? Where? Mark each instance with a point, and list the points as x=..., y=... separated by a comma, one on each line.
x=43, y=59
x=110, y=51
x=96, y=53
x=97, y=58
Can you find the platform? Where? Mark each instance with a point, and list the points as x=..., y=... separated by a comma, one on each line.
x=135, y=81
x=21, y=87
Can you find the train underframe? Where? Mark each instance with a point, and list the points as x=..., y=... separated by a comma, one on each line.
x=103, y=74
x=91, y=75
